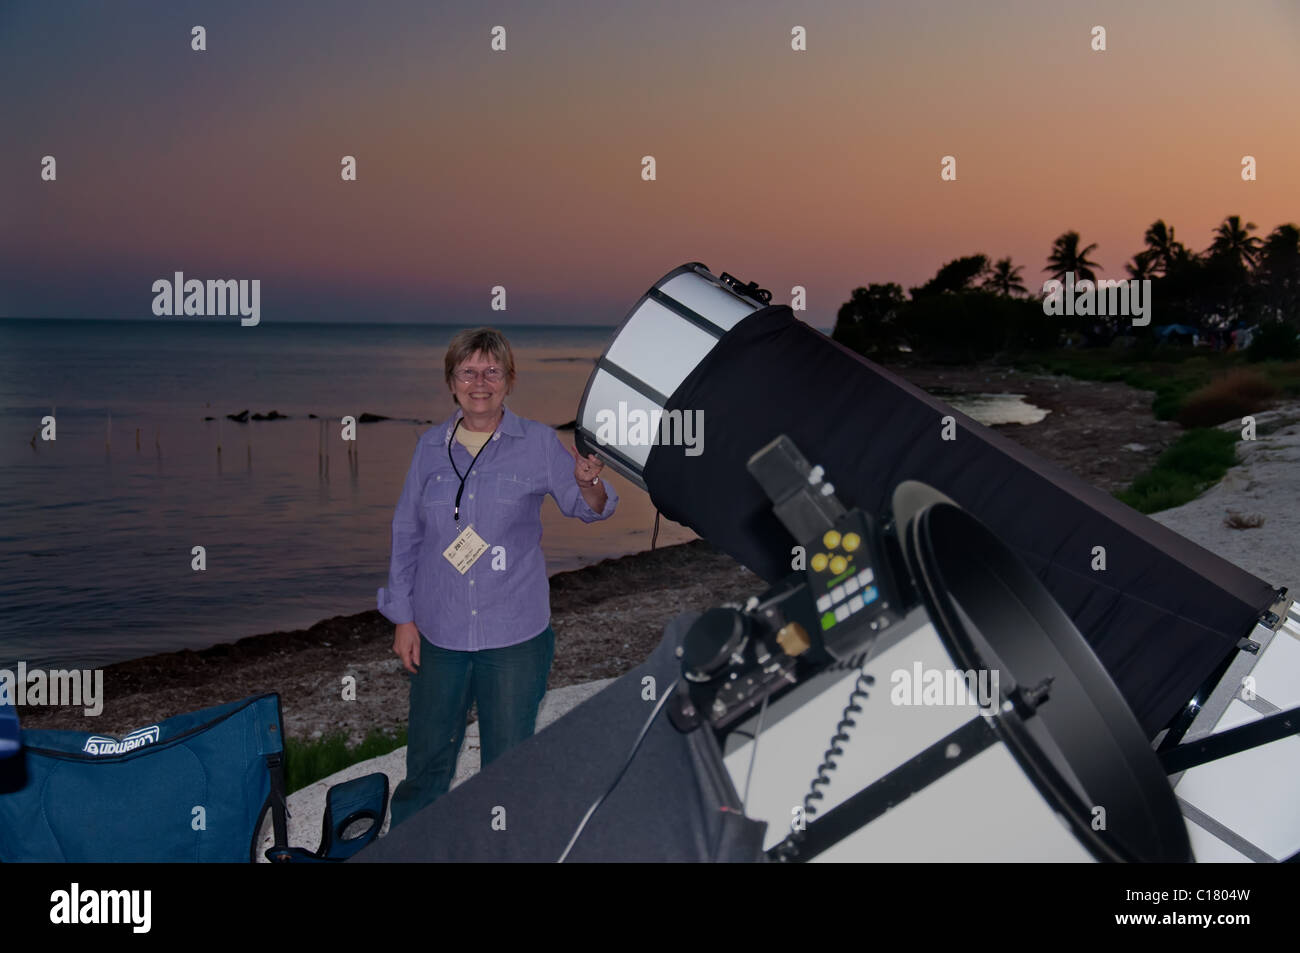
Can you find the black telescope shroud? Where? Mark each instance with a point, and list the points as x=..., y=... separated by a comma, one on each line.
x=1161, y=616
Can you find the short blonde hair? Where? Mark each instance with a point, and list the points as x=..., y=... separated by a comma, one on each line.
x=488, y=340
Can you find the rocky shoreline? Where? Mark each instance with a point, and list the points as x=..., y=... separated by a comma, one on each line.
x=606, y=617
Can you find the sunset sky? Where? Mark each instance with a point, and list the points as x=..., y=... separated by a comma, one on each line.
x=523, y=168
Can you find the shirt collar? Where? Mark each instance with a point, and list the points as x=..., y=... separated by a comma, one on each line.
x=511, y=425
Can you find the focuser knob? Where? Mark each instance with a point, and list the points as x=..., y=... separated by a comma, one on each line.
x=711, y=641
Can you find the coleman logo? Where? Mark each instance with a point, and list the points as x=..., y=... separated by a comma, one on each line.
x=99, y=744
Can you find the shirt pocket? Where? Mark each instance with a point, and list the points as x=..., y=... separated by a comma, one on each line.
x=513, y=489
x=439, y=492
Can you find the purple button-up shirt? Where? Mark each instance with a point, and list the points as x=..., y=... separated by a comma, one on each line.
x=504, y=598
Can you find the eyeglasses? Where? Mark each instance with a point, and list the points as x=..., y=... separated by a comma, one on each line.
x=493, y=375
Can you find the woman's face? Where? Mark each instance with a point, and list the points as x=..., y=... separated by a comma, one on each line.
x=481, y=397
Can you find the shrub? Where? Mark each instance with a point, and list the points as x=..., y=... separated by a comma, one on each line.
x=1198, y=459
x=1232, y=396
x=1274, y=341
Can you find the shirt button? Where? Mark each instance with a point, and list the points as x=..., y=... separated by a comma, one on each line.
x=473, y=612
x=471, y=582
x=471, y=496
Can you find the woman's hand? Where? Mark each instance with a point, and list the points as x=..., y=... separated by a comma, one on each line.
x=586, y=470
x=406, y=643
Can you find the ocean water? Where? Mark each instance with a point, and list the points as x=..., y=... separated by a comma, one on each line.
x=96, y=533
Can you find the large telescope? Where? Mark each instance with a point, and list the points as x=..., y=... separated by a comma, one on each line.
x=964, y=652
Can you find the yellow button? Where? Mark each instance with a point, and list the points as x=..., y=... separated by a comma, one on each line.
x=852, y=541
x=831, y=539
x=819, y=562
x=838, y=565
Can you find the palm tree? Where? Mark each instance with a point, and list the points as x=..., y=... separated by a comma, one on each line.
x=1234, y=243
x=1142, y=266
x=1283, y=244
x=1066, y=256
x=1005, y=279
x=1279, y=268
x=1162, y=247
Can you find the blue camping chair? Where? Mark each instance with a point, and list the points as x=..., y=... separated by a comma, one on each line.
x=195, y=787
x=10, y=741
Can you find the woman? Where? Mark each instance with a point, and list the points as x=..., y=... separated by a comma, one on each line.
x=467, y=586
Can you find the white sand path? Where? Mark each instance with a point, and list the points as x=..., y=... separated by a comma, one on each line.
x=1265, y=483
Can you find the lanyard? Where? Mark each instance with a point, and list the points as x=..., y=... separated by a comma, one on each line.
x=456, y=515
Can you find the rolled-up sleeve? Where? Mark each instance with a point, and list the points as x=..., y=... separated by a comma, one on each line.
x=408, y=534
x=565, y=489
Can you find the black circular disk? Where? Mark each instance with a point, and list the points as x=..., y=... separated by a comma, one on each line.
x=1083, y=748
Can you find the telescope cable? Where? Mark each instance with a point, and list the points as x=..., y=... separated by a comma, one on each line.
x=645, y=729
x=788, y=849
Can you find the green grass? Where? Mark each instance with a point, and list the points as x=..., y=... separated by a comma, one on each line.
x=306, y=762
x=1197, y=460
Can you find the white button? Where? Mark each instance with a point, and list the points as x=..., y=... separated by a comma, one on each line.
x=851, y=584
x=837, y=594
x=866, y=576
x=823, y=603
x=474, y=471
x=841, y=613
x=855, y=603
x=473, y=612
x=471, y=582
x=471, y=496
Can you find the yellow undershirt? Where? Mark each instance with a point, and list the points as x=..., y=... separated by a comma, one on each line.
x=471, y=440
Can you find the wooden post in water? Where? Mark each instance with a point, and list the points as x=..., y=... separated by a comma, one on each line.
x=354, y=455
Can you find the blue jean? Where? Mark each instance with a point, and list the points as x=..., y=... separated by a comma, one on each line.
x=508, y=685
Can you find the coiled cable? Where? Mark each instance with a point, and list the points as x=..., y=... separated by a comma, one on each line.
x=788, y=849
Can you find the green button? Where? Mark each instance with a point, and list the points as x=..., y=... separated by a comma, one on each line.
x=828, y=620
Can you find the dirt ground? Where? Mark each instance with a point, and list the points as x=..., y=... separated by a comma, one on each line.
x=1104, y=433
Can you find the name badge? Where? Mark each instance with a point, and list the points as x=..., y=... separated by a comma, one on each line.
x=465, y=549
